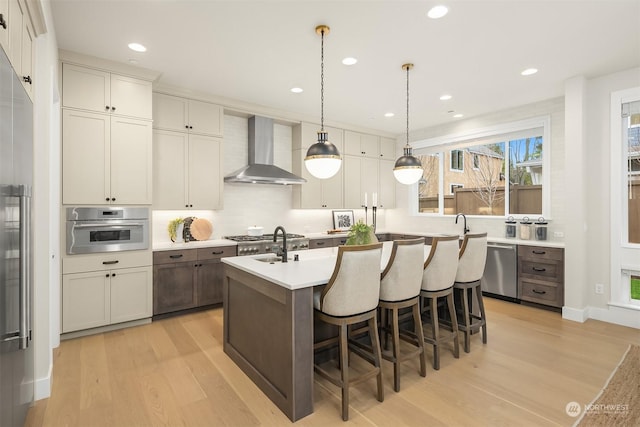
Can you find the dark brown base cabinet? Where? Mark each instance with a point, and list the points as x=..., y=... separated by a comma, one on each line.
x=541, y=275
x=189, y=278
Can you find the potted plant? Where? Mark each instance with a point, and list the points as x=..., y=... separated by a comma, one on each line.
x=175, y=230
x=361, y=234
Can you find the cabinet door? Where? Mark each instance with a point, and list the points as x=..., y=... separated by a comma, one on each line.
x=131, y=161
x=370, y=145
x=352, y=143
x=369, y=178
x=170, y=112
x=205, y=118
x=209, y=280
x=14, y=26
x=170, y=151
x=85, y=153
x=131, y=294
x=27, y=58
x=388, y=149
x=4, y=32
x=131, y=97
x=360, y=144
x=332, y=192
x=386, y=184
x=173, y=287
x=85, y=88
x=353, y=196
x=85, y=300
x=205, y=169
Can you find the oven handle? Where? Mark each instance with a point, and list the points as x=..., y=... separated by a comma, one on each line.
x=116, y=226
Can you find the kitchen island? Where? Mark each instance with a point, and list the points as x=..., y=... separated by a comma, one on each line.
x=268, y=321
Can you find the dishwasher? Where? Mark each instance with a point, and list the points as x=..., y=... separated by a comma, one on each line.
x=500, y=277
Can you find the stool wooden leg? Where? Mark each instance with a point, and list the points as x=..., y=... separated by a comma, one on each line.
x=466, y=317
x=454, y=325
x=482, y=313
x=435, y=328
x=377, y=355
x=344, y=371
x=417, y=321
x=396, y=348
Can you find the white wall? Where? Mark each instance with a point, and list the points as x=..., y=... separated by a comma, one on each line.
x=46, y=206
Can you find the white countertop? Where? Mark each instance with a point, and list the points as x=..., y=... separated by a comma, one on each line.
x=314, y=267
x=171, y=246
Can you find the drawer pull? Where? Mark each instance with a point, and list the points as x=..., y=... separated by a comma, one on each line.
x=538, y=292
x=109, y=262
x=539, y=252
x=320, y=243
x=217, y=252
x=175, y=256
x=538, y=269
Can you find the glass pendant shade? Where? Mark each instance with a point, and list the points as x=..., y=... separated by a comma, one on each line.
x=408, y=169
x=323, y=158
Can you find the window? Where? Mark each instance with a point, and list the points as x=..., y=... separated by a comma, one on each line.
x=457, y=160
x=506, y=174
x=631, y=119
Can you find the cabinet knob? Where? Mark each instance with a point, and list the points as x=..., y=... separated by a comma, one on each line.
x=113, y=199
x=107, y=199
x=113, y=275
x=186, y=126
x=106, y=275
x=3, y=23
x=106, y=107
x=190, y=127
x=27, y=79
x=113, y=108
x=190, y=206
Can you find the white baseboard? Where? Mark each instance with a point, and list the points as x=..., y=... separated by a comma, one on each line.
x=575, y=314
x=618, y=315
x=42, y=386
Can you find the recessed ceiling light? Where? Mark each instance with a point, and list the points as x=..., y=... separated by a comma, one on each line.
x=137, y=47
x=457, y=116
x=389, y=114
x=297, y=90
x=529, y=71
x=437, y=12
x=445, y=97
x=349, y=61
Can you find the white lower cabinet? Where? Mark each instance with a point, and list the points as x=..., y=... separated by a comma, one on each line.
x=106, y=296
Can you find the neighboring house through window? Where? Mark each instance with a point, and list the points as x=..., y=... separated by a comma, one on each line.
x=457, y=160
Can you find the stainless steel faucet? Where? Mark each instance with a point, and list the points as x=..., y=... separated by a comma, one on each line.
x=284, y=241
x=466, y=229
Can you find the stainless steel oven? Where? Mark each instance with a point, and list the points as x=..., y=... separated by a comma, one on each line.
x=106, y=229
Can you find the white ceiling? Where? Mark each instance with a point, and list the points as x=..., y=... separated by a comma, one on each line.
x=255, y=51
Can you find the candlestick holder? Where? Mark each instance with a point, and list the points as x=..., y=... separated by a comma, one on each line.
x=365, y=213
x=375, y=208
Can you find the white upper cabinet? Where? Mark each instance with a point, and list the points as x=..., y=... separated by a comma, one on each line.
x=26, y=70
x=4, y=26
x=187, y=115
x=388, y=148
x=14, y=26
x=386, y=184
x=361, y=144
x=100, y=91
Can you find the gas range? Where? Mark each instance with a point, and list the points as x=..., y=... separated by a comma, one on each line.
x=251, y=245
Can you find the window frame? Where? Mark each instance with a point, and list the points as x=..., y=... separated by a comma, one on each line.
x=468, y=138
x=460, y=160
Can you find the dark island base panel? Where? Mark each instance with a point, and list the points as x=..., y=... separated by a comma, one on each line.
x=268, y=333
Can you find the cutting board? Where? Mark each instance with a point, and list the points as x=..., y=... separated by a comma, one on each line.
x=201, y=229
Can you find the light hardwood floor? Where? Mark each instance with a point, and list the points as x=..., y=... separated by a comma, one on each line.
x=173, y=372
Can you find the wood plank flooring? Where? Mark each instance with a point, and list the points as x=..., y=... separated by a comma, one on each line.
x=173, y=372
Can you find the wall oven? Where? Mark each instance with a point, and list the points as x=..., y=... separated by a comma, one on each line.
x=106, y=229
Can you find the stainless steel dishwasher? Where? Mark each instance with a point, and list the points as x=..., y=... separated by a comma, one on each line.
x=500, y=277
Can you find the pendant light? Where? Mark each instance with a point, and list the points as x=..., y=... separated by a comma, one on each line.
x=323, y=158
x=408, y=169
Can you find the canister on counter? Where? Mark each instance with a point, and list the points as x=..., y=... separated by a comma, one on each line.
x=526, y=229
x=541, y=229
x=510, y=228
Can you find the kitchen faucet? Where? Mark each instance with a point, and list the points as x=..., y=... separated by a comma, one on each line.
x=466, y=229
x=284, y=241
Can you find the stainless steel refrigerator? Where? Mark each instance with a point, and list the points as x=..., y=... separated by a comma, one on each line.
x=16, y=271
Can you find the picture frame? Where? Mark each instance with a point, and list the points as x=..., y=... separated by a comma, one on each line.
x=343, y=219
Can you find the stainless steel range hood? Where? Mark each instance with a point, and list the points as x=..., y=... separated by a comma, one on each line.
x=261, y=169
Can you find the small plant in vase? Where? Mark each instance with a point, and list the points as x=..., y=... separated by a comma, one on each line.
x=173, y=227
x=361, y=234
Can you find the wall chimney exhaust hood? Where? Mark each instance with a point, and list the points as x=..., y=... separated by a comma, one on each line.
x=261, y=169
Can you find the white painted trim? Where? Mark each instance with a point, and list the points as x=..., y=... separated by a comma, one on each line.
x=575, y=314
x=42, y=386
x=618, y=315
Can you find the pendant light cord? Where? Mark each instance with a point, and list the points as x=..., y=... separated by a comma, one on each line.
x=322, y=83
x=408, y=106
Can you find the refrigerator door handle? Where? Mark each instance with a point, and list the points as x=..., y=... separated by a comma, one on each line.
x=25, y=266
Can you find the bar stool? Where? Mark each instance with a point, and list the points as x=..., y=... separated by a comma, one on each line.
x=350, y=297
x=438, y=277
x=400, y=288
x=473, y=257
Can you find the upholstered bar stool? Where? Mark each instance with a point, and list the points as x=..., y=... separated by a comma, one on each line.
x=473, y=256
x=438, y=277
x=400, y=288
x=350, y=297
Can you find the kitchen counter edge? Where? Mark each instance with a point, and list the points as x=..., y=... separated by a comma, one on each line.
x=171, y=246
